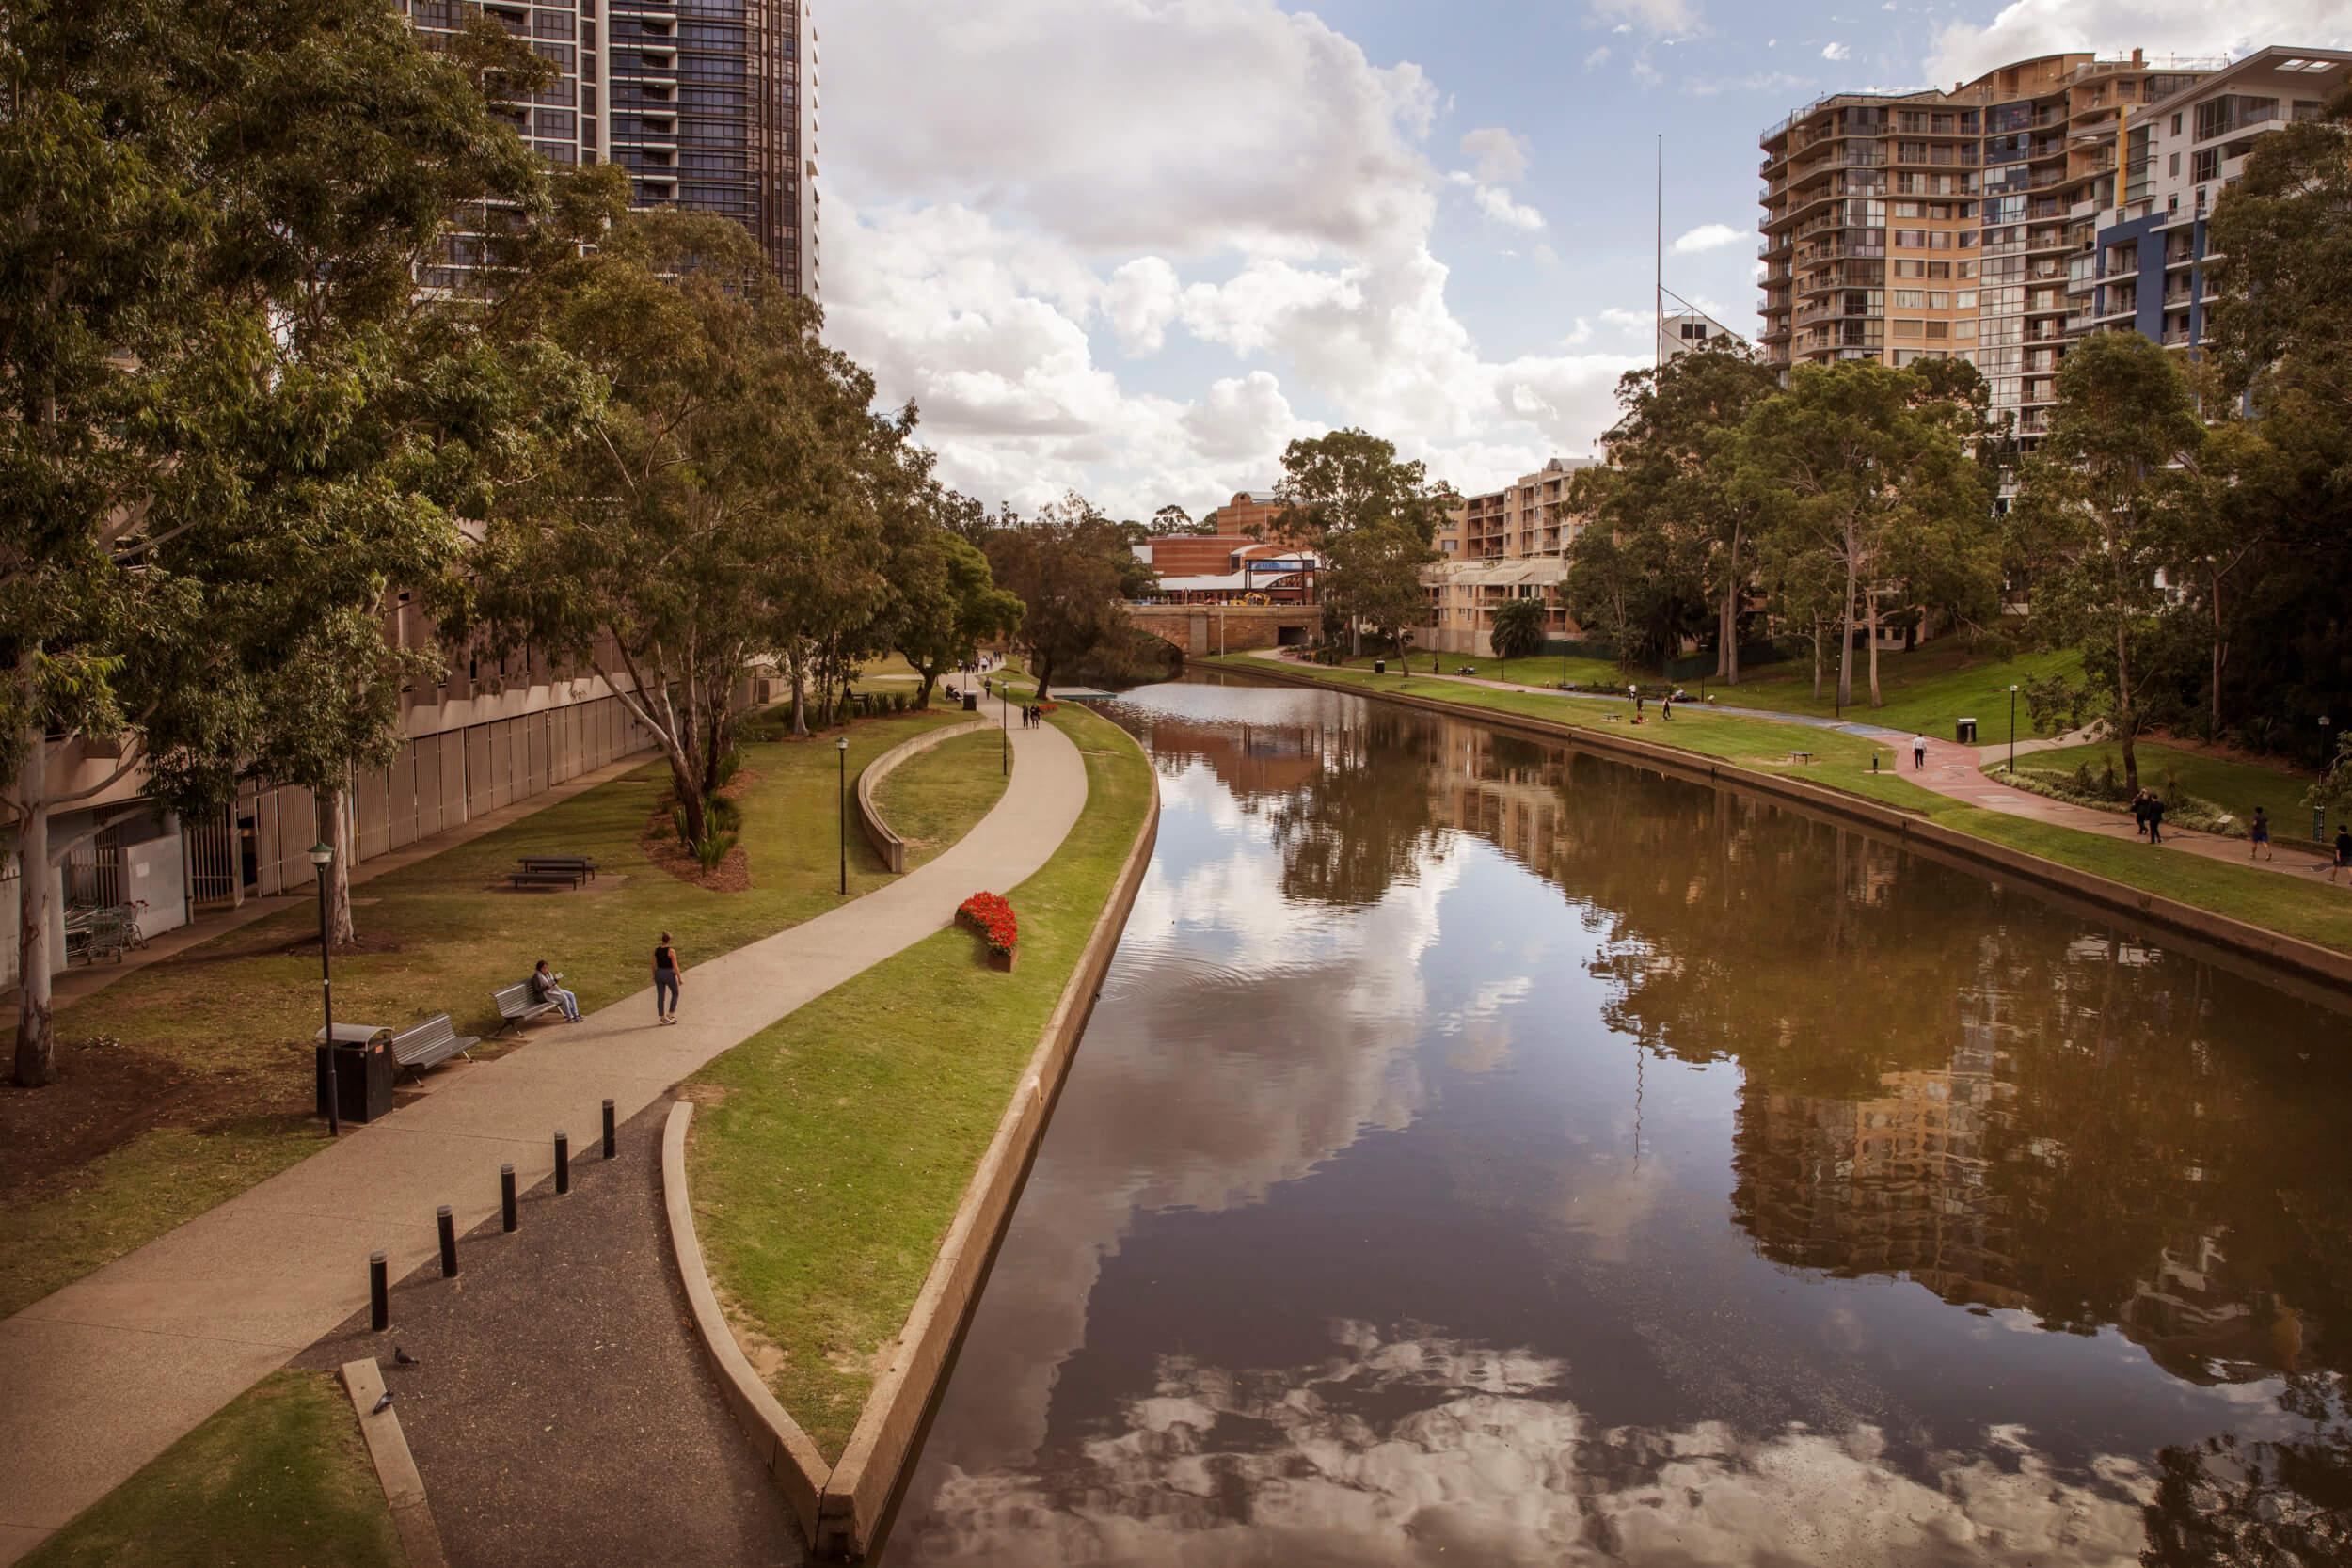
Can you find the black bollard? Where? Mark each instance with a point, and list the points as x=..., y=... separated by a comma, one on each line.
x=608, y=1129
x=449, y=1241
x=506, y=1198
x=562, y=1162
x=379, y=1293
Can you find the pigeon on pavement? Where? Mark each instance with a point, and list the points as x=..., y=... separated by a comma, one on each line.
x=401, y=1358
x=383, y=1404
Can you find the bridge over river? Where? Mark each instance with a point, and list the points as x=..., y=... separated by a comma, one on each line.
x=1199, y=629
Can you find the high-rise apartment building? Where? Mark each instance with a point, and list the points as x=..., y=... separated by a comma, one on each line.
x=2145, y=271
x=710, y=104
x=1900, y=225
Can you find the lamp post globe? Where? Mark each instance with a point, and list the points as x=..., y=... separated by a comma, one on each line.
x=323, y=856
x=841, y=749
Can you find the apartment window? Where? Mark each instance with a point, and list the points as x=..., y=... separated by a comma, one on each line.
x=1964, y=300
x=2176, y=125
x=2205, y=165
x=1910, y=299
x=1939, y=329
x=1941, y=269
x=1909, y=328
x=1913, y=269
x=1939, y=239
x=1939, y=300
x=1913, y=239
x=2173, y=166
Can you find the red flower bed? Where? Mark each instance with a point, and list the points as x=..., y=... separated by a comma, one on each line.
x=990, y=915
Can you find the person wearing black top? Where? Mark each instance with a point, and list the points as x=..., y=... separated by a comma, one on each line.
x=665, y=980
x=2155, y=819
x=2343, y=852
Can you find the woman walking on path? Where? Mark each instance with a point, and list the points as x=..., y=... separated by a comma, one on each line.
x=2139, y=811
x=665, y=981
x=2155, y=819
x=2258, y=836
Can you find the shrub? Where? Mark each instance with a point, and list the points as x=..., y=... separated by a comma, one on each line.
x=730, y=764
x=710, y=851
x=722, y=815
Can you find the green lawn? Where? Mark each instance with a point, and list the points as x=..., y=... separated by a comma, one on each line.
x=278, y=1478
x=2311, y=910
x=833, y=1148
x=1926, y=690
x=1529, y=672
x=2237, y=788
x=932, y=800
x=230, y=1023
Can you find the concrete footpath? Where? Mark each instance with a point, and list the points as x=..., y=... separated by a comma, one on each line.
x=1956, y=771
x=99, y=1378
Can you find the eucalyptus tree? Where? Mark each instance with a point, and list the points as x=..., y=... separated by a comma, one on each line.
x=204, y=294
x=946, y=601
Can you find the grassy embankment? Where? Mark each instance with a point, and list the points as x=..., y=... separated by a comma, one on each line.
x=208, y=1090
x=934, y=799
x=2236, y=787
x=1926, y=690
x=2313, y=911
x=278, y=1478
x=833, y=1148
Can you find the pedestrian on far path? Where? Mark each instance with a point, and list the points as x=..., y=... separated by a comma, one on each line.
x=2139, y=811
x=665, y=980
x=1918, y=754
x=2258, y=837
x=1666, y=708
x=2155, y=819
x=2344, y=853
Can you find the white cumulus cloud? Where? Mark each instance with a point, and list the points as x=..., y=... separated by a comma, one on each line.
x=1707, y=236
x=1964, y=50
x=1501, y=154
x=1834, y=50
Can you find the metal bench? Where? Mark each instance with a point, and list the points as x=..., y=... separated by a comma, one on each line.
x=434, y=1041
x=543, y=878
x=579, y=864
x=515, y=1006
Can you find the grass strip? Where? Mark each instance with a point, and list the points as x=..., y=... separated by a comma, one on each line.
x=833, y=1148
x=213, y=1058
x=278, y=1478
x=2236, y=786
x=2313, y=912
x=932, y=800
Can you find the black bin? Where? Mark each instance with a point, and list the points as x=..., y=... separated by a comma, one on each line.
x=971, y=701
x=1966, y=732
x=1379, y=666
x=363, y=1079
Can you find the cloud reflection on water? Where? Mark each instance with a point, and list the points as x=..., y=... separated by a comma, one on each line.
x=1420, y=1449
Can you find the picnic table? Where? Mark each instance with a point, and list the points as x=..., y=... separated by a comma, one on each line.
x=1801, y=757
x=548, y=870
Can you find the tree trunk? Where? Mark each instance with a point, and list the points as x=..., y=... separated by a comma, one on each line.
x=1727, y=653
x=930, y=678
x=2220, y=657
x=2126, y=717
x=335, y=827
x=36, y=1036
x=1871, y=601
x=800, y=690
x=1845, y=630
x=1817, y=659
x=1043, y=668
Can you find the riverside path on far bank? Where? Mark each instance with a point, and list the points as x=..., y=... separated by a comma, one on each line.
x=1953, y=771
x=100, y=1377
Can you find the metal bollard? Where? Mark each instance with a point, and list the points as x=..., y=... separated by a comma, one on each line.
x=562, y=1162
x=379, y=1293
x=449, y=1241
x=608, y=1129
x=506, y=1198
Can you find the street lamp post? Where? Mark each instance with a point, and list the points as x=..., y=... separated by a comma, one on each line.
x=2013, y=729
x=841, y=749
x=1004, y=728
x=2319, y=814
x=323, y=856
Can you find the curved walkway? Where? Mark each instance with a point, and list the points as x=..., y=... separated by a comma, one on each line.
x=99, y=1378
x=1956, y=771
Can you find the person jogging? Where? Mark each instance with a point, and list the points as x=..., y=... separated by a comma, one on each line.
x=665, y=981
x=2258, y=836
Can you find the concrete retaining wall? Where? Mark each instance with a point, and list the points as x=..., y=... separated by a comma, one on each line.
x=2305, y=959
x=858, y=1493
x=886, y=842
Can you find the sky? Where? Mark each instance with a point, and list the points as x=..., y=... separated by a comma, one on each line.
x=1134, y=248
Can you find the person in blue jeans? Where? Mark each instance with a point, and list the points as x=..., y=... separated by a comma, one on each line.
x=544, y=988
x=665, y=981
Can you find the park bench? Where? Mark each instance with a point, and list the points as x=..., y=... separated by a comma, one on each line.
x=515, y=1006
x=432, y=1042
x=577, y=865
x=543, y=878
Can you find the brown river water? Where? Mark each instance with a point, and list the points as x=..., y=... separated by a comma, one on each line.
x=1483, y=1152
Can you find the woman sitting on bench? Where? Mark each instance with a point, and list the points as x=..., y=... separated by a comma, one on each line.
x=544, y=988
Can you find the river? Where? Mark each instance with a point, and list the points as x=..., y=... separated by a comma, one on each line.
x=1486, y=1153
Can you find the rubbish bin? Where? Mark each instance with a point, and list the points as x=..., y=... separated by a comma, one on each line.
x=363, y=1079
x=1968, y=732
x=971, y=701
x=1379, y=666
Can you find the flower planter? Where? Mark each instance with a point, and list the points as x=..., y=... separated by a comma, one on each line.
x=1002, y=961
x=990, y=915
